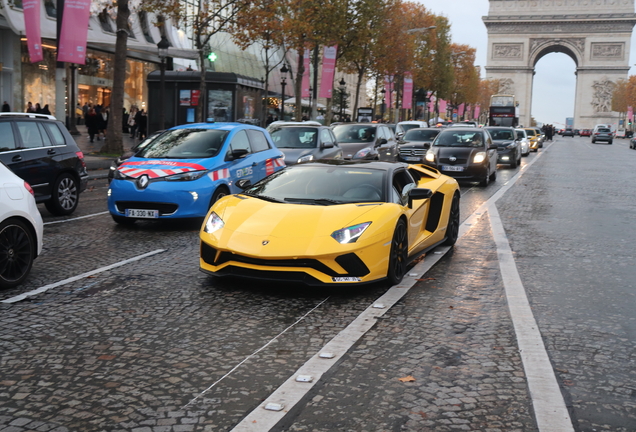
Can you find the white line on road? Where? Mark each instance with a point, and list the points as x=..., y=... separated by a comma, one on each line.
x=78, y=277
x=547, y=400
x=77, y=218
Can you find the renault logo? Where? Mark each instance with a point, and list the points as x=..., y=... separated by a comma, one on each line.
x=265, y=242
x=452, y=158
x=143, y=181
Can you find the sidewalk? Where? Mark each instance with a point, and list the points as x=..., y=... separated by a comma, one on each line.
x=96, y=164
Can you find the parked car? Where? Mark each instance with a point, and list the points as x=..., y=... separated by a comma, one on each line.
x=41, y=151
x=533, y=138
x=188, y=168
x=524, y=143
x=413, y=145
x=305, y=143
x=21, y=228
x=586, y=132
x=369, y=141
x=127, y=155
x=540, y=136
x=508, y=148
x=568, y=132
x=632, y=143
x=403, y=126
x=604, y=134
x=467, y=154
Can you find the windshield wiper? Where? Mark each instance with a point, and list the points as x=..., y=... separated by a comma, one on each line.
x=320, y=201
x=263, y=197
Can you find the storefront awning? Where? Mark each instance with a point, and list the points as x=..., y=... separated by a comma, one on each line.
x=147, y=52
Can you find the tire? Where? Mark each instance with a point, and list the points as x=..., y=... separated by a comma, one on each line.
x=219, y=193
x=610, y=142
x=513, y=165
x=17, y=251
x=493, y=175
x=122, y=220
x=65, y=196
x=398, y=254
x=452, y=229
x=593, y=141
x=485, y=181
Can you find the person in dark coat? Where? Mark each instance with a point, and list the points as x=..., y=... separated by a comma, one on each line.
x=6, y=107
x=102, y=122
x=46, y=110
x=38, y=108
x=92, y=124
x=143, y=124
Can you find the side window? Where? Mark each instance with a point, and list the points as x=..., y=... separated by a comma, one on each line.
x=258, y=140
x=45, y=136
x=333, y=137
x=240, y=142
x=56, y=133
x=30, y=134
x=403, y=183
x=325, y=136
x=8, y=140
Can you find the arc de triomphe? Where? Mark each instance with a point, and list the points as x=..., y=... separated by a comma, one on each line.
x=594, y=33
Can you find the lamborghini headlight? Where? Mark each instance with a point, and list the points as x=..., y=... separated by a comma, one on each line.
x=186, y=176
x=479, y=157
x=214, y=223
x=430, y=156
x=307, y=158
x=350, y=234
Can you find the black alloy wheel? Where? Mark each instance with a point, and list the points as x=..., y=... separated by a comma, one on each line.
x=17, y=247
x=65, y=196
x=485, y=180
x=398, y=255
x=452, y=228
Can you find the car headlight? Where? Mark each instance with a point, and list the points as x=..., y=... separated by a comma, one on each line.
x=350, y=234
x=430, y=156
x=186, y=176
x=119, y=175
x=480, y=157
x=307, y=158
x=511, y=145
x=213, y=223
x=362, y=153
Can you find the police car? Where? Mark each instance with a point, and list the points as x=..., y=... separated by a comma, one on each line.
x=188, y=168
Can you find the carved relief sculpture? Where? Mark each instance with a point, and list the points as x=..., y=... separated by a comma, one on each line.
x=606, y=51
x=602, y=100
x=507, y=50
x=506, y=86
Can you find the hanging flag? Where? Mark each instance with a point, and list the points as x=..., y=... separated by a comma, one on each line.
x=32, y=27
x=305, y=84
x=431, y=102
x=407, y=98
x=630, y=114
x=442, y=106
x=477, y=111
x=460, y=110
x=328, y=71
x=72, y=44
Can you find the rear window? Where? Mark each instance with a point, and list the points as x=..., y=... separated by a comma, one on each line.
x=420, y=135
x=603, y=130
x=354, y=133
x=501, y=134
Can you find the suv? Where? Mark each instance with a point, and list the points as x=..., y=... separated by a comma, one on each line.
x=41, y=151
x=305, y=142
x=368, y=141
x=602, y=134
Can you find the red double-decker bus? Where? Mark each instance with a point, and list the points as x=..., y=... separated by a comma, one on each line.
x=503, y=111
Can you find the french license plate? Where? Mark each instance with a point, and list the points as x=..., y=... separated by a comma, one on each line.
x=346, y=279
x=142, y=214
x=452, y=168
x=412, y=158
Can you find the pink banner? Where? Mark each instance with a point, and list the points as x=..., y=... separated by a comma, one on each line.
x=328, y=70
x=305, y=83
x=630, y=114
x=477, y=111
x=431, y=103
x=442, y=106
x=32, y=27
x=72, y=45
x=460, y=110
x=407, y=98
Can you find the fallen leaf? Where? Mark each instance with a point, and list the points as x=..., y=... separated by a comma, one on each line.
x=562, y=370
x=451, y=307
x=568, y=382
x=407, y=379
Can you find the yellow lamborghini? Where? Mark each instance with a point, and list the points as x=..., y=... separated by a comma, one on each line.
x=331, y=222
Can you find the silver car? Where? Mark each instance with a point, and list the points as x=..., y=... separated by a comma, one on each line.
x=305, y=142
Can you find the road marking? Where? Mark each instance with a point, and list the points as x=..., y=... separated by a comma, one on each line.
x=78, y=277
x=549, y=407
x=253, y=354
x=77, y=218
x=291, y=392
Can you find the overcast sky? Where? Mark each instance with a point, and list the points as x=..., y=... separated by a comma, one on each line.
x=554, y=82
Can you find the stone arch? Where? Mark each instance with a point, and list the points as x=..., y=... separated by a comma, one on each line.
x=521, y=32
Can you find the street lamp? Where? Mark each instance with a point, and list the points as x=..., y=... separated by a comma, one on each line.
x=343, y=87
x=383, y=106
x=162, y=51
x=283, y=83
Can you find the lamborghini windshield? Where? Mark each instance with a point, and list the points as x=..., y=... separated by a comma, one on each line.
x=320, y=185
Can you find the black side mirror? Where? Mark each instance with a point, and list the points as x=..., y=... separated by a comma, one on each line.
x=381, y=141
x=419, y=194
x=327, y=145
x=243, y=184
x=237, y=154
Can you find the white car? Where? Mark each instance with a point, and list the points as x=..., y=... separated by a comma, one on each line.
x=21, y=228
x=524, y=143
x=620, y=133
x=402, y=127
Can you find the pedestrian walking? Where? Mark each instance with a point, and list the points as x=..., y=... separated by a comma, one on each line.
x=6, y=107
x=143, y=124
x=92, y=124
x=30, y=108
x=46, y=110
x=102, y=119
x=38, y=108
x=124, y=121
x=132, y=122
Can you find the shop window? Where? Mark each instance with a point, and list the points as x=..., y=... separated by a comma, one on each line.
x=51, y=9
x=106, y=22
x=143, y=22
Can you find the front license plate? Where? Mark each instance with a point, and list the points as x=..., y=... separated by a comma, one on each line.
x=346, y=279
x=142, y=214
x=412, y=158
x=452, y=168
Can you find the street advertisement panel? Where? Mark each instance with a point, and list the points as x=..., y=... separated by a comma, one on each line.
x=328, y=70
x=185, y=96
x=305, y=82
x=407, y=99
x=365, y=115
x=72, y=46
x=195, y=97
x=31, y=10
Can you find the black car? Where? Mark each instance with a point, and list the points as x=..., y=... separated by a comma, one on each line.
x=568, y=132
x=467, y=154
x=413, y=145
x=508, y=145
x=366, y=141
x=40, y=150
x=305, y=142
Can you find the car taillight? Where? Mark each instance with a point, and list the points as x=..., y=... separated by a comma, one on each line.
x=80, y=155
x=29, y=188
